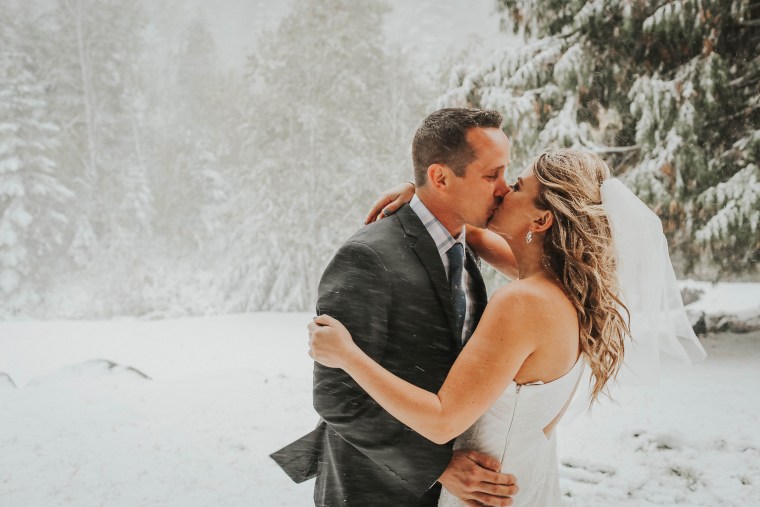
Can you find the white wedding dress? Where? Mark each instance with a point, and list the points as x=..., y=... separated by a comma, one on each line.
x=512, y=431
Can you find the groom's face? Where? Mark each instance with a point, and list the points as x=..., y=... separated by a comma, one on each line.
x=476, y=195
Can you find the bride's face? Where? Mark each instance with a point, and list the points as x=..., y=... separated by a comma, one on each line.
x=518, y=210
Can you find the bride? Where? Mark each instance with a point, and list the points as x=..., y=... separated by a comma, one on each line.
x=574, y=305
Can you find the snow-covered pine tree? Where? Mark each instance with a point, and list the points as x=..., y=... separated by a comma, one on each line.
x=329, y=123
x=192, y=149
x=93, y=49
x=668, y=92
x=31, y=197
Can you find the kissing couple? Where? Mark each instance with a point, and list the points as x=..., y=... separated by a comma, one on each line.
x=431, y=394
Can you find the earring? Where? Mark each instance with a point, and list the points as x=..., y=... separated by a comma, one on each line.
x=529, y=237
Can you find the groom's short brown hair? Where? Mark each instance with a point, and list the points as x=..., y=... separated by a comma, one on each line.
x=442, y=139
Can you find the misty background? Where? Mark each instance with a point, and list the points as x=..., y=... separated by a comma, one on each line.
x=182, y=158
x=203, y=161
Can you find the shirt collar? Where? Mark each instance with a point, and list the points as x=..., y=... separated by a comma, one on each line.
x=442, y=237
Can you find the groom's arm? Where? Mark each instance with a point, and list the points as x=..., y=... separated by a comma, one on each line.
x=356, y=289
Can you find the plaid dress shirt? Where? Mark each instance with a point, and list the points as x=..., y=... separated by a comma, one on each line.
x=444, y=241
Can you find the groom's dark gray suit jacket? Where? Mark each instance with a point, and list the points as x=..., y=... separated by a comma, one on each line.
x=388, y=286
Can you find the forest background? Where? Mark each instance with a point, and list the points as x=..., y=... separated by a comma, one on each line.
x=147, y=170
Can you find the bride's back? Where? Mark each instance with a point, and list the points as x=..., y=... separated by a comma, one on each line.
x=552, y=324
x=518, y=428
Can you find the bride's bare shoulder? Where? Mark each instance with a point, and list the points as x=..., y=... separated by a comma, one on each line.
x=527, y=290
x=529, y=297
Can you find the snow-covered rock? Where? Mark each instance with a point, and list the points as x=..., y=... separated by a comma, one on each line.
x=722, y=307
x=92, y=370
x=6, y=382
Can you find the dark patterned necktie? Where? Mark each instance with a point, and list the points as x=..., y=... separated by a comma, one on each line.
x=456, y=284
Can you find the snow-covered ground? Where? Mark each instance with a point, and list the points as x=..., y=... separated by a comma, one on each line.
x=224, y=392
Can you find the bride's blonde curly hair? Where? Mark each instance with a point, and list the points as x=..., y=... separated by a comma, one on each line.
x=578, y=247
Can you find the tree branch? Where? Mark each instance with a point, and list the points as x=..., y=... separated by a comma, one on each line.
x=744, y=81
x=744, y=112
x=615, y=149
x=749, y=24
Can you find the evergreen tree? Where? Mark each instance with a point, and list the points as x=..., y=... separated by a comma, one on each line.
x=31, y=196
x=193, y=148
x=93, y=49
x=330, y=120
x=666, y=91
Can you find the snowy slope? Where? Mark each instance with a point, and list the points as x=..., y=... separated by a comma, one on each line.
x=224, y=392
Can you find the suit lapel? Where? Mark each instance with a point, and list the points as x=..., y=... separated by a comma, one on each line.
x=427, y=252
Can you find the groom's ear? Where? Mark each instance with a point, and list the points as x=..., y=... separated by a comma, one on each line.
x=436, y=174
x=544, y=221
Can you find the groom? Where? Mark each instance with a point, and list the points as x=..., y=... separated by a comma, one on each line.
x=410, y=292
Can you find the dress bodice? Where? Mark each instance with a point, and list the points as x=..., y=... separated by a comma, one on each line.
x=512, y=431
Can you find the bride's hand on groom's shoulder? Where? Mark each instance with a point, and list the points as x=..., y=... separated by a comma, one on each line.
x=390, y=201
x=330, y=343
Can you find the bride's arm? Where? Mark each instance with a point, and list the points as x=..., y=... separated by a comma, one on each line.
x=493, y=249
x=390, y=201
x=486, y=365
x=489, y=246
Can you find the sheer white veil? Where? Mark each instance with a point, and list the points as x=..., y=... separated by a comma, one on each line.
x=660, y=329
x=661, y=334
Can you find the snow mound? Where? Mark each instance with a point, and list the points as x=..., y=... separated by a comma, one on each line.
x=722, y=307
x=6, y=382
x=92, y=370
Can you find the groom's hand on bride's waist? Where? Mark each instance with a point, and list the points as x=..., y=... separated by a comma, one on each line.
x=475, y=479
